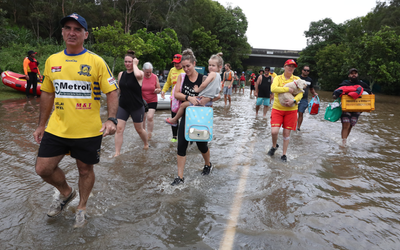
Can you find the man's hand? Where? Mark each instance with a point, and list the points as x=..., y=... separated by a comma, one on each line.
x=27, y=77
x=108, y=128
x=38, y=134
x=196, y=88
x=162, y=94
x=290, y=90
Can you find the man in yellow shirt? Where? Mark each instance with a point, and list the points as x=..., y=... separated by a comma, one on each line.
x=171, y=82
x=74, y=80
x=31, y=69
x=284, y=114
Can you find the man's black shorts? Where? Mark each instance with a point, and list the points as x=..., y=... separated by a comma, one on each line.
x=86, y=150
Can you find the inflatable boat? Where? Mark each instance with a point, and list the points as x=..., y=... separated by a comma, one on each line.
x=17, y=82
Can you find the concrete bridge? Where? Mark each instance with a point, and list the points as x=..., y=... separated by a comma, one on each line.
x=270, y=57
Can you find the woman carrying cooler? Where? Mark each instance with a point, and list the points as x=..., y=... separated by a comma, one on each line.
x=191, y=79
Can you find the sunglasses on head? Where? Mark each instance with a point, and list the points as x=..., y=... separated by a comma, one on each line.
x=307, y=70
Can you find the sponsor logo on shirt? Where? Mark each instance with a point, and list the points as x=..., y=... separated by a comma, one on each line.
x=112, y=81
x=71, y=60
x=56, y=69
x=83, y=106
x=59, y=105
x=85, y=70
x=73, y=89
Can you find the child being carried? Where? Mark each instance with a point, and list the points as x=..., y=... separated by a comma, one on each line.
x=208, y=90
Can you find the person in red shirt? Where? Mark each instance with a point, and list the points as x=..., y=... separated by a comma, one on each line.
x=31, y=70
x=150, y=89
x=242, y=82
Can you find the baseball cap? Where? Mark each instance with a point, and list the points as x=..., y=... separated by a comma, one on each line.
x=30, y=52
x=353, y=69
x=75, y=17
x=252, y=74
x=290, y=62
x=177, y=58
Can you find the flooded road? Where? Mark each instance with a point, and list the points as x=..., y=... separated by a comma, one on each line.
x=324, y=197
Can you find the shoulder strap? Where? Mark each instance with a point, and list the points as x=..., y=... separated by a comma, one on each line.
x=183, y=79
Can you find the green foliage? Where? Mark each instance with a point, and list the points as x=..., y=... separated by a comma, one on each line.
x=112, y=41
x=13, y=55
x=362, y=43
x=204, y=44
x=331, y=60
x=163, y=46
x=378, y=58
x=155, y=29
x=232, y=27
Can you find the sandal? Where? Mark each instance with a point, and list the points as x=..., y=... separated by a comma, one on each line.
x=170, y=123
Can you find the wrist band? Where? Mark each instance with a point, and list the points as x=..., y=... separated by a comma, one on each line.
x=186, y=98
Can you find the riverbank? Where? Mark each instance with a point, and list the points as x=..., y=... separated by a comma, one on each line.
x=9, y=93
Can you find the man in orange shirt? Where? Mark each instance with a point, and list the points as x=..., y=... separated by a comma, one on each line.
x=31, y=70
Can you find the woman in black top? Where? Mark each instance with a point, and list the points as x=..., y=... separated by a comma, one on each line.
x=130, y=101
x=191, y=79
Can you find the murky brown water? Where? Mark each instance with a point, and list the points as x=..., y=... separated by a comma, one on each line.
x=325, y=197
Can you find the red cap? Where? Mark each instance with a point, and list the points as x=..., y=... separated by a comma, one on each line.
x=290, y=62
x=252, y=74
x=177, y=58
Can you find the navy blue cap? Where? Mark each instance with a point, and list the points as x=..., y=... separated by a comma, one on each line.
x=75, y=17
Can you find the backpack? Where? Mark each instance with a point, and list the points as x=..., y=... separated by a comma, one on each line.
x=229, y=76
x=313, y=106
x=175, y=103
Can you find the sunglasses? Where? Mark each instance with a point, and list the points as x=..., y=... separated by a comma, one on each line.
x=177, y=57
x=306, y=70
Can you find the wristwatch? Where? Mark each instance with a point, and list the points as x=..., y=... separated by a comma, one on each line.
x=294, y=101
x=113, y=119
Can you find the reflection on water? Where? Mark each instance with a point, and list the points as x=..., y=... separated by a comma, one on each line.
x=325, y=197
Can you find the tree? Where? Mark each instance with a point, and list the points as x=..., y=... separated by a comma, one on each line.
x=320, y=34
x=113, y=41
x=332, y=65
x=164, y=44
x=204, y=44
x=232, y=27
x=377, y=57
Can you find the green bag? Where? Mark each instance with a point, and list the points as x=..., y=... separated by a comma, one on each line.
x=334, y=111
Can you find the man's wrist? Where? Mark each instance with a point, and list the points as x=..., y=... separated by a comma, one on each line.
x=294, y=101
x=113, y=119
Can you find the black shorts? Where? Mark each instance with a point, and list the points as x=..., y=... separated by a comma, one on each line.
x=136, y=115
x=152, y=105
x=87, y=150
x=252, y=87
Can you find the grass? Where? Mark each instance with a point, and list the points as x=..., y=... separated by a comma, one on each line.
x=9, y=93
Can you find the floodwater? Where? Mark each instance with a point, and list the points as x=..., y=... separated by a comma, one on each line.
x=324, y=197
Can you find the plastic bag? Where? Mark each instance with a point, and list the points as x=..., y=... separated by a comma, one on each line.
x=334, y=111
x=313, y=106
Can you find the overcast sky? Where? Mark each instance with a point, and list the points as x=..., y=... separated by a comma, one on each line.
x=281, y=24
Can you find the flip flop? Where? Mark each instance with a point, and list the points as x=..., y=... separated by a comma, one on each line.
x=172, y=124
